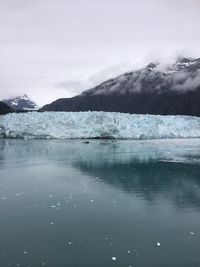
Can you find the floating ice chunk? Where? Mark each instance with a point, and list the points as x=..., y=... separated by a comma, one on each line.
x=114, y=258
x=63, y=125
x=158, y=244
x=78, y=239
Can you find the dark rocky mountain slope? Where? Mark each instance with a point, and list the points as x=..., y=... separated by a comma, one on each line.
x=4, y=108
x=169, y=90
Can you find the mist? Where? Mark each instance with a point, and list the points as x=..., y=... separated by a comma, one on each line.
x=52, y=49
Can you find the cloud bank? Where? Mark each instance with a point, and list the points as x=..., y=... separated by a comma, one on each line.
x=48, y=48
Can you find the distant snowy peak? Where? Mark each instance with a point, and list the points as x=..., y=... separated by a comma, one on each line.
x=21, y=103
x=182, y=63
x=152, y=65
x=185, y=64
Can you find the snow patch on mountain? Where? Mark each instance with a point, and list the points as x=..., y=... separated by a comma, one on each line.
x=183, y=74
x=21, y=103
x=64, y=125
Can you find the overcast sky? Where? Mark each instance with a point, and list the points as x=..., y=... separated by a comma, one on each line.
x=58, y=48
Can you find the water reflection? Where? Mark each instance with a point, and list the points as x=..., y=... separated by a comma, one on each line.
x=150, y=169
x=176, y=182
x=70, y=203
x=183, y=150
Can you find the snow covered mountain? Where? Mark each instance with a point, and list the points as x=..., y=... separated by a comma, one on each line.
x=156, y=89
x=105, y=125
x=21, y=103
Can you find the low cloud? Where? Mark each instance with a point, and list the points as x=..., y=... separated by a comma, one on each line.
x=168, y=77
x=73, y=87
x=52, y=38
x=187, y=82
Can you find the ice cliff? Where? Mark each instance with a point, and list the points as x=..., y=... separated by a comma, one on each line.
x=63, y=125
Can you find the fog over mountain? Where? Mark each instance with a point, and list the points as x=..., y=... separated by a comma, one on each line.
x=56, y=49
x=166, y=90
x=183, y=75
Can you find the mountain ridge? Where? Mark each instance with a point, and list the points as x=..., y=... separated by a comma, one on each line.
x=21, y=103
x=170, y=90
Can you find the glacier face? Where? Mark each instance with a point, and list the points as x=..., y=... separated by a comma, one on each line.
x=66, y=125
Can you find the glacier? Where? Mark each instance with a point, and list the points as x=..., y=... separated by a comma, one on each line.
x=86, y=125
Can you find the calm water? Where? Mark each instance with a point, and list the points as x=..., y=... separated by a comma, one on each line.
x=102, y=204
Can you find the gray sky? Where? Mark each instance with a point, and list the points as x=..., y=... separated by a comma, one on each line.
x=58, y=48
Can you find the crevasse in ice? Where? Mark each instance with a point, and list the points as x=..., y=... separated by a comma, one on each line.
x=63, y=125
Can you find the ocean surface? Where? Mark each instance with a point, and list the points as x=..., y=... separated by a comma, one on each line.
x=74, y=203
